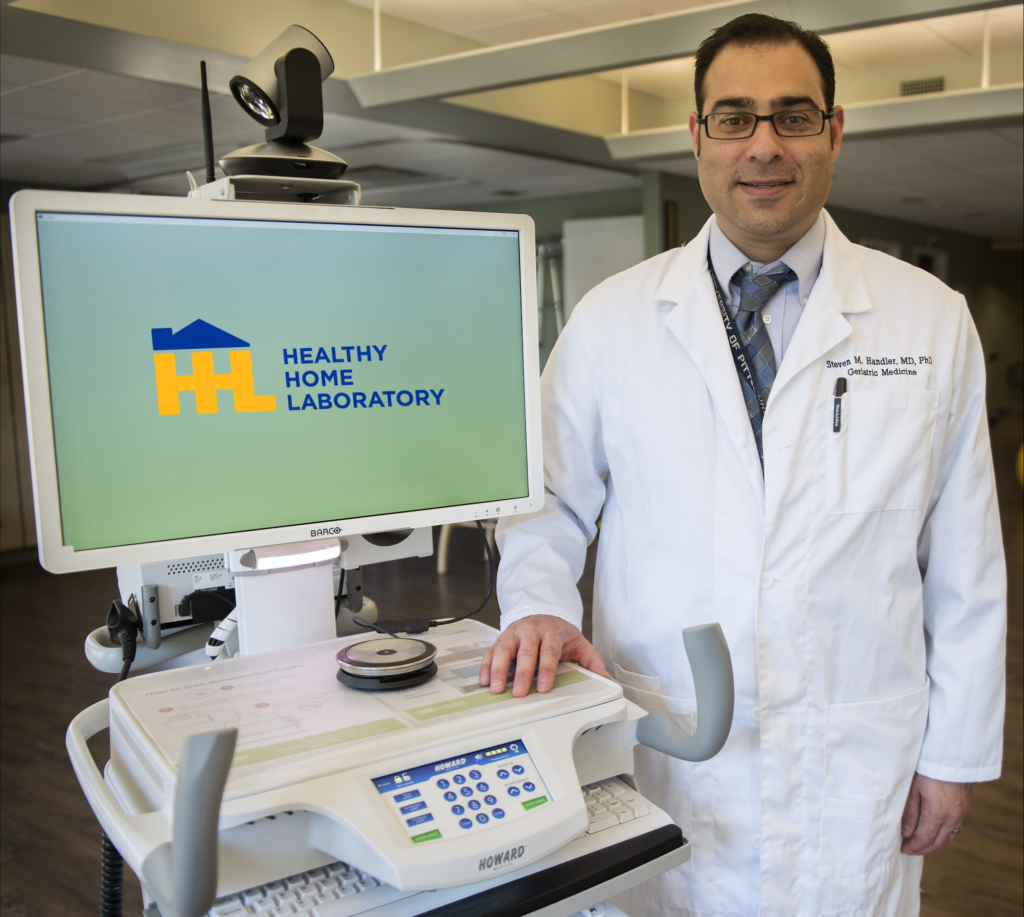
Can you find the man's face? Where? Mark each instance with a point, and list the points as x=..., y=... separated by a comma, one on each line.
x=766, y=186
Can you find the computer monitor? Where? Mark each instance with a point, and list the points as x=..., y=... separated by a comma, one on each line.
x=206, y=376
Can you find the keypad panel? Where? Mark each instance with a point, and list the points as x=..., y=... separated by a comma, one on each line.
x=466, y=794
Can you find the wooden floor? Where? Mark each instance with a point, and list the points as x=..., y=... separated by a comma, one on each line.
x=49, y=840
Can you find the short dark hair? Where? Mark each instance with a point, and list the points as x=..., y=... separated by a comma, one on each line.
x=758, y=29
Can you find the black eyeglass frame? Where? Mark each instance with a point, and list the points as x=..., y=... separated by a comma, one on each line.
x=826, y=116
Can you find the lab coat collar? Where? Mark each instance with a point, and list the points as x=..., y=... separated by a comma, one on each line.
x=839, y=291
x=697, y=324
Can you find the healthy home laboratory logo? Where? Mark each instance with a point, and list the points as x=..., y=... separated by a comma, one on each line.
x=202, y=339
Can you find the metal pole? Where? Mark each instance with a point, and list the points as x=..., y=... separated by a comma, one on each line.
x=377, y=62
x=986, y=51
x=625, y=102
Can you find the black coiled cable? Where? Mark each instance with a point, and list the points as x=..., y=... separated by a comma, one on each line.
x=123, y=626
x=111, y=879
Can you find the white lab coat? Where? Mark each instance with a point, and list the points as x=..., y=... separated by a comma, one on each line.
x=859, y=580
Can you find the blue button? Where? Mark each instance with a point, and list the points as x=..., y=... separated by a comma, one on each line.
x=402, y=797
x=442, y=784
x=458, y=778
x=513, y=791
x=498, y=813
x=529, y=787
x=465, y=823
x=419, y=820
x=482, y=787
x=412, y=807
x=490, y=800
x=466, y=791
x=503, y=774
x=475, y=775
x=516, y=769
x=450, y=796
x=483, y=819
x=457, y=810
x=474, y=804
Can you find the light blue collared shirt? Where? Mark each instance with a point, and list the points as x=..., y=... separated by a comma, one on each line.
x=784, y=309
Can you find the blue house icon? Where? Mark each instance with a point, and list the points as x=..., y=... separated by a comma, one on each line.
x=199, y=335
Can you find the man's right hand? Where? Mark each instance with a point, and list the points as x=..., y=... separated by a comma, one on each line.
x=545, y=636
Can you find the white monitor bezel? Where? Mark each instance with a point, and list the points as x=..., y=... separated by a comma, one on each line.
x=54, y=555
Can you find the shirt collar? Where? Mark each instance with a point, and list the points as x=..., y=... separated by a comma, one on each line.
x=803, y=258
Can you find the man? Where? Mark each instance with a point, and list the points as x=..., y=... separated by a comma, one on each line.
x=802, y=456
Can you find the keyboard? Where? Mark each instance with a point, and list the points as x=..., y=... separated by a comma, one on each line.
x=612, y=802
x=340, y=890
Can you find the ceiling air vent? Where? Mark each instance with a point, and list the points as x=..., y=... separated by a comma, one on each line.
x=920, y=87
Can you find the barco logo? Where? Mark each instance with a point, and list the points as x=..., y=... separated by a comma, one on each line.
x=500, y=860
x=320, y=533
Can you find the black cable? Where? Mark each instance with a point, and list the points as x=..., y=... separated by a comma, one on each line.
x=111, y=879
x=123, y=627
x=490, y=582
x=362, y=622
x=422, y=625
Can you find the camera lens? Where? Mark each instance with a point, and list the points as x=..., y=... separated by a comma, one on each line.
x=256, y=103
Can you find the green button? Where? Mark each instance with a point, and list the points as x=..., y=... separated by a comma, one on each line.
x=533, y=803
x=426, y=836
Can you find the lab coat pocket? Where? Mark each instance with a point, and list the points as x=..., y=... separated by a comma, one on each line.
x=879, y=459
x=666, y=780
x=871, y=751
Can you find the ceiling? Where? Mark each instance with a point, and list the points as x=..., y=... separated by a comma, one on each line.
x=80, y=128
x=493, y=22
x=967, y=181
x=860, y=51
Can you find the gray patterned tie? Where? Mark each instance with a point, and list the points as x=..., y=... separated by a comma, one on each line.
x=755, y=291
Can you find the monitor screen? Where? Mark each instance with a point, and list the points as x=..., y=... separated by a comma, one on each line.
x=211, y=375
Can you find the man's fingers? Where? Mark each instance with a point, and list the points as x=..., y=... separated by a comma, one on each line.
x=924, y=838
x=485, y=666
x=590, y=659
x=526, y=663
x=501, y=659
x=911, y=812
x=550, y=656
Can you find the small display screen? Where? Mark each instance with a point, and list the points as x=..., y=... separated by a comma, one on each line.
x=465, y=794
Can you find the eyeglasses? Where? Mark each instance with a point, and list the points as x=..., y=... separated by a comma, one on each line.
x=739, y=125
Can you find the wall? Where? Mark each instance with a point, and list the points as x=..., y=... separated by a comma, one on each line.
x=549, y=213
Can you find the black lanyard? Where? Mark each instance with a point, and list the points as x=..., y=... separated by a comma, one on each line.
x=736, y=345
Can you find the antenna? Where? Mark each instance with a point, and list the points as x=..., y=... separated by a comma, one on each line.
x=207, y=125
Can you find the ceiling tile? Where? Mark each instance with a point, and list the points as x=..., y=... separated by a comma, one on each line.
x=92, y=142
x=24, y=71
x=609, y=12
x=15, y=123
x=538, y=25
x=906, y=42
x=123, y=89
x=969, y=151
x=965, y=31
x=63, y=106
x=1013, y=134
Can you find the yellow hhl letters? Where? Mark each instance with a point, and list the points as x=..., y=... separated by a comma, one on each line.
x=206, y=383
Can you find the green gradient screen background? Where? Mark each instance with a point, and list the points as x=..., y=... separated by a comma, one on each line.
x=446, y=303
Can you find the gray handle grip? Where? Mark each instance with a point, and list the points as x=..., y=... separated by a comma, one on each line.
x=711, y=666
x=202, y=775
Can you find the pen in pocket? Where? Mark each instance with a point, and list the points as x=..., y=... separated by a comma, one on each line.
x=837, y=404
